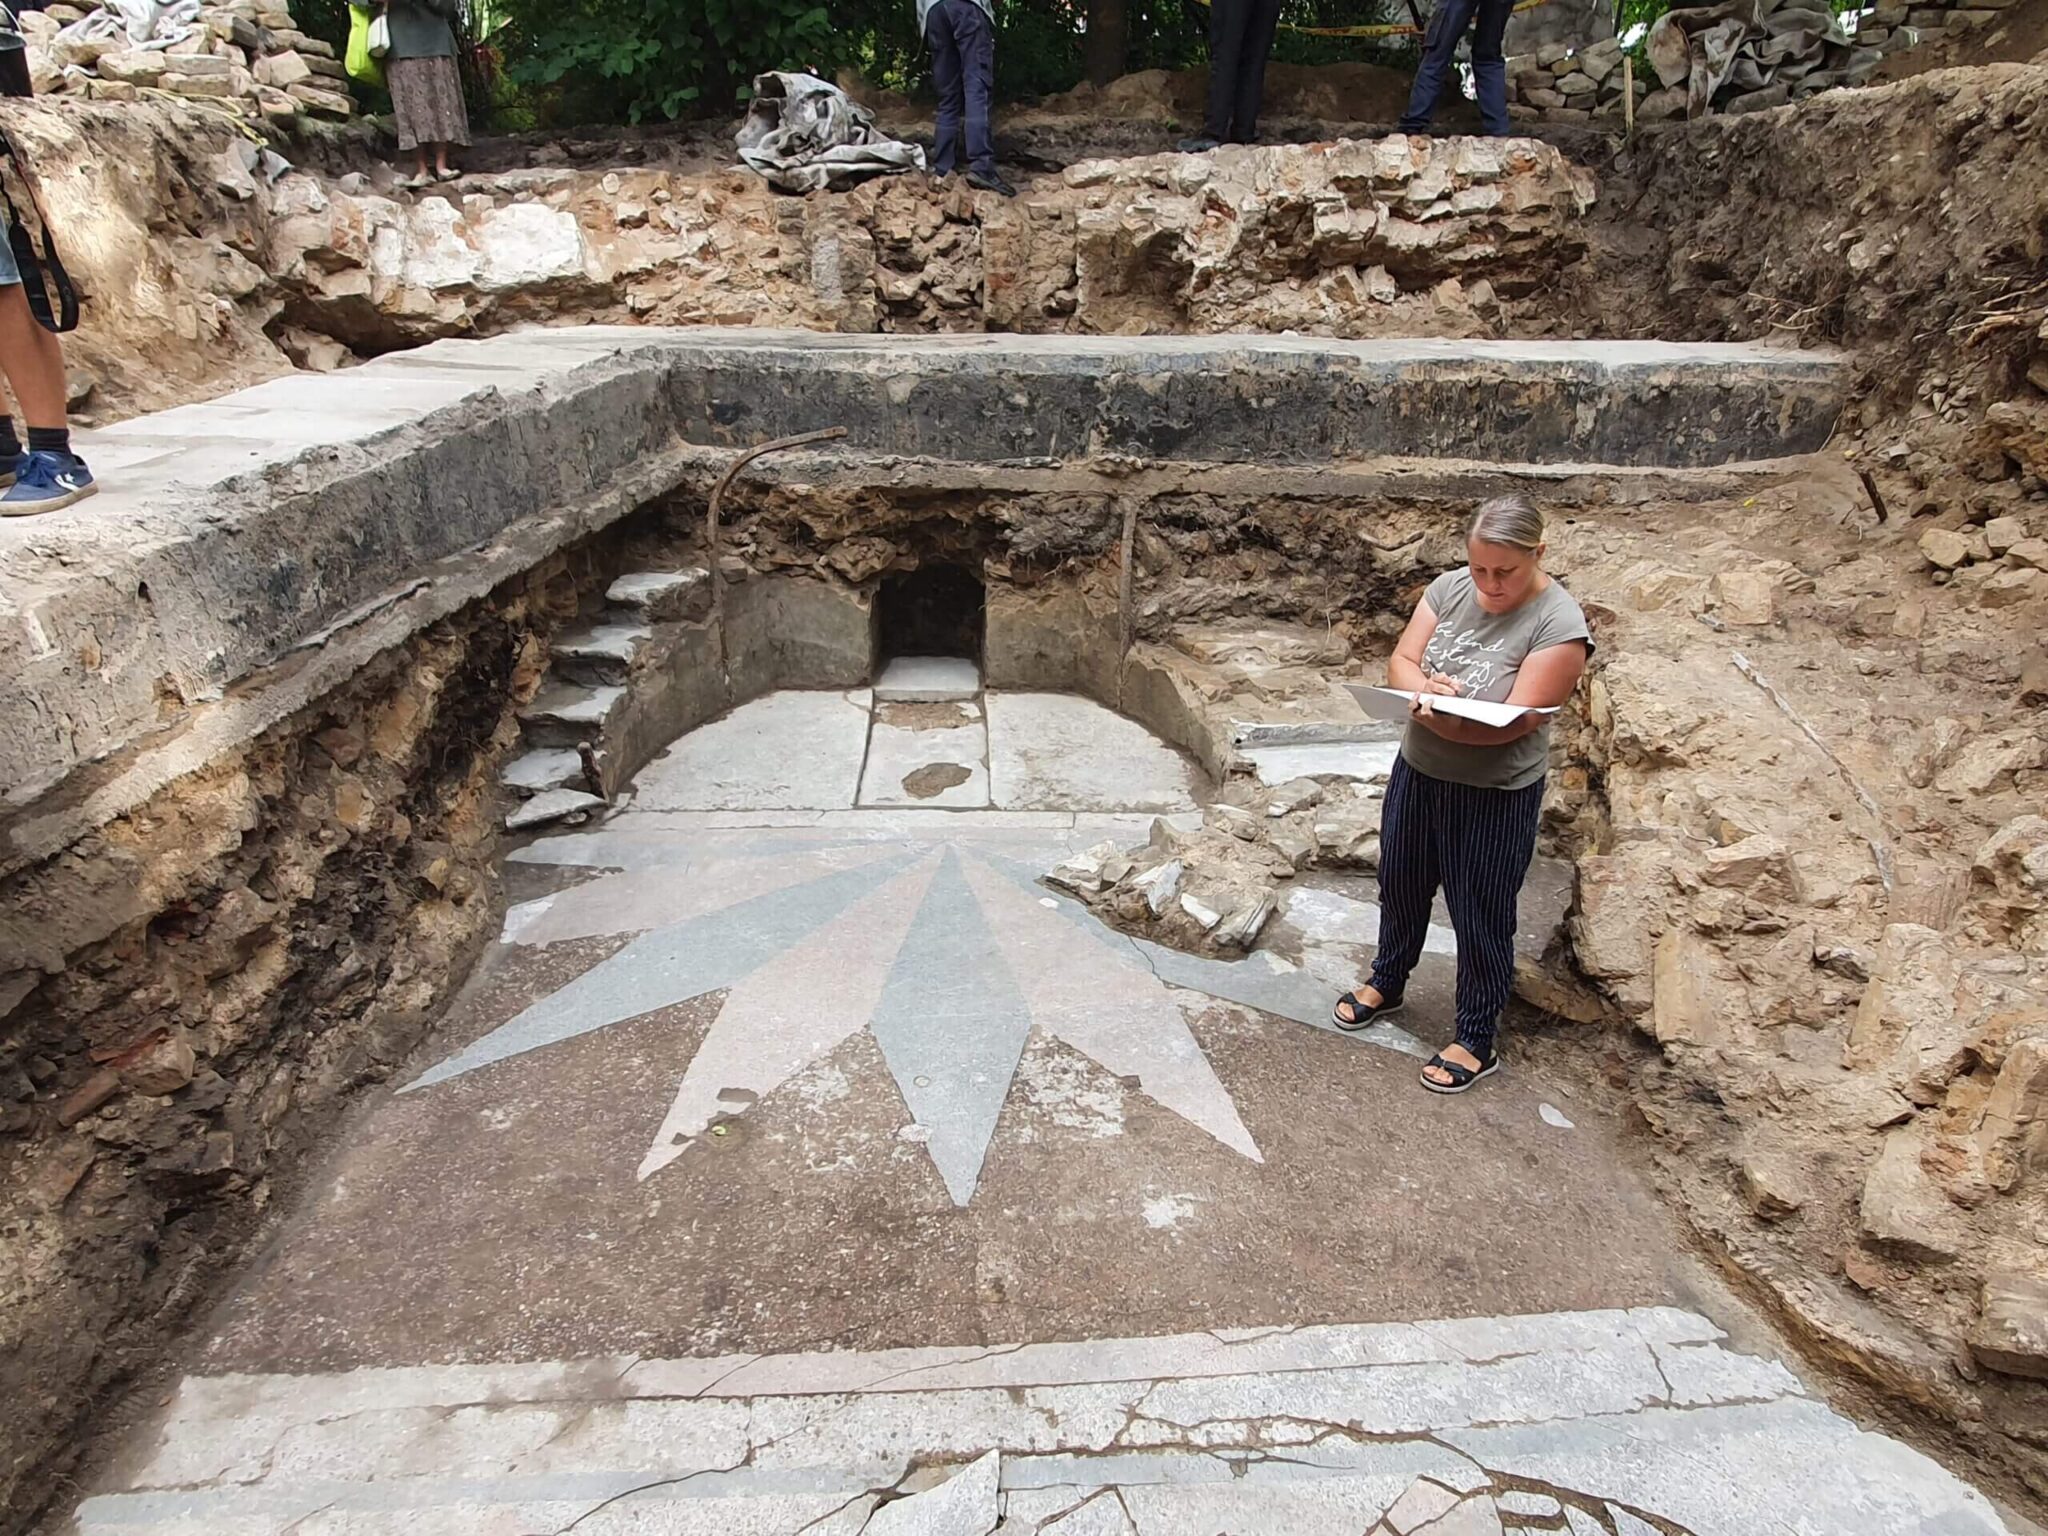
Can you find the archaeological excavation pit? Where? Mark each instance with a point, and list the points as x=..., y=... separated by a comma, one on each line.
x=898, y=915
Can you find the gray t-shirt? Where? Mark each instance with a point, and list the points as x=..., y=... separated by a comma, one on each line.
x=1484, y=652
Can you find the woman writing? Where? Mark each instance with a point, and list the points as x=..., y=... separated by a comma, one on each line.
x=1463, y=803
x=426, y=86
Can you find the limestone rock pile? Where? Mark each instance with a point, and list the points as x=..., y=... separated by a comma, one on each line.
x=2001, y=563
x=248, y=55
x=1349, y=238
x=1892, y=28
x=1563, y=84
x=1215, y=887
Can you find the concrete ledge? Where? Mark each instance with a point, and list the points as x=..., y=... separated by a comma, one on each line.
x=235, y=532
x=1285, y=400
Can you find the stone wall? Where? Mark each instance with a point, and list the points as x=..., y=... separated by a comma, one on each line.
x=195, y=268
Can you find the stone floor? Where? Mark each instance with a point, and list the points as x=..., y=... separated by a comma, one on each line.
x=761, y=1169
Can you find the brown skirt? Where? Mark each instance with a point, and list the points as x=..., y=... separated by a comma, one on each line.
x=426, y=97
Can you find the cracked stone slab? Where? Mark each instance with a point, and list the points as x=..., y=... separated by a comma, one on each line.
x=1288, y=1431
x=966, y=1504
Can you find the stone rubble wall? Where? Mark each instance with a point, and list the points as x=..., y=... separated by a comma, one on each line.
x=247, y=57
x=194, y=266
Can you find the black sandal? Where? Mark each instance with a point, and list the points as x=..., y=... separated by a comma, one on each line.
x=1363, y=1014
x=1461, y=1077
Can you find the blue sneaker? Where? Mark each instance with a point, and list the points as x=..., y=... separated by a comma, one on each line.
x=43, y=482
x=11, y=467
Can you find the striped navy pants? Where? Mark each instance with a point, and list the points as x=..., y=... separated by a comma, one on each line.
x=1476, y=844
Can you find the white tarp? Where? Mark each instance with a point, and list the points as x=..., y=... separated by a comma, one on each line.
x=805, y=135
x=1744, y=55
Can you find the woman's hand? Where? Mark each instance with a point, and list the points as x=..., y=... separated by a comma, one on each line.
x=1437, y=683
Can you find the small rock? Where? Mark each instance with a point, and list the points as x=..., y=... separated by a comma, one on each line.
x=2014, y=862
x=1759, y=864
x=88, y=1096
x=1235, y=820
x=2001, y=533
x=163, y=1066
x=1903, y=1210
x=1945, y=549
x=1769, y=1188
x=1240, y=929
x=2011, y=1333
x=1159, y=885
x=1083, y=873
x=1745, y=597
x=1294, y=795
x=1293, y=844
x=2009, y=588
x=1205, y=917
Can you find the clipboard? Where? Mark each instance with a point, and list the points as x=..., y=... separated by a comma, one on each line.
x=1394, y=704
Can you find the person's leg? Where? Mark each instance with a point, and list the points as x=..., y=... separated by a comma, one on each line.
x=441, y=159
x=32, y=360
x=1260, y=26
x=947, y=81
x=1408, y=878
x=977, y=37
x=49, y=475
x=1490, y=836
x=1447, y=25
x=1490, y=65
x=1227, y=22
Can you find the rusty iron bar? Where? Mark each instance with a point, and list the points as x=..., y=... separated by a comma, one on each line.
x=711, y=523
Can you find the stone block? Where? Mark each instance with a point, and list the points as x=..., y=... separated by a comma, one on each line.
x=282, y=71
x=1683, y=991
x=137, y=67
x=1903, y=1211
x=1915, y=988
x=2011, y=1332
x=323, y=103
x=1055, y=637
x=199, y=86
x=2012, y=1137
x=797, y=632
x=200, y=66
x=1745, y=597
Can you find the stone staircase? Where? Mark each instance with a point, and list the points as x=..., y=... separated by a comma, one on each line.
x=611, y=698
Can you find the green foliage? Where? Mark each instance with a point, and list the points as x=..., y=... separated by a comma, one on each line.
x=633, y=60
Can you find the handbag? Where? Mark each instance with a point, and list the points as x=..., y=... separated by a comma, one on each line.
x=51, y=296
x=357, y=59
x=380, y=35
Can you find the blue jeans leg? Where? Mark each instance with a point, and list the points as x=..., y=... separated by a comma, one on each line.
x=1447, y=25
x=1490, y=65
x=976, y=37
x=947, y=81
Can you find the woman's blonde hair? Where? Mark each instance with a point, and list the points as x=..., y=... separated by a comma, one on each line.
x=1507, y=520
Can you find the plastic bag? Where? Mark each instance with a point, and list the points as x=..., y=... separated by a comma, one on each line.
x=380, y=35
x=361, y=64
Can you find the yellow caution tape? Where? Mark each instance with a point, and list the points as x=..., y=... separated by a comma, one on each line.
x=1384, y=29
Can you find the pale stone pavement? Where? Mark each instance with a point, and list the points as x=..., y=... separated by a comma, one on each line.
x=799, y=1164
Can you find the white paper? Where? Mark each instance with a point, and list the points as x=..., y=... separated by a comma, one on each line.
x=1394, y=704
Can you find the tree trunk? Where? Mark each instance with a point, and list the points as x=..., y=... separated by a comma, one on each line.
x=1109, y=40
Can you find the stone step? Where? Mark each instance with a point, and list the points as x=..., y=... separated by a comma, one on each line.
x=543, y=769
x=927, y=680
x=661, y=597
x=563, y=714
x=551, y=806
x=1583, y=1421
x=601, y=654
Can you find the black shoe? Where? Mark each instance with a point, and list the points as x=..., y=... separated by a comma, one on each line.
x=1363, y=1016
x=989, y=181
x=1201, y=144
